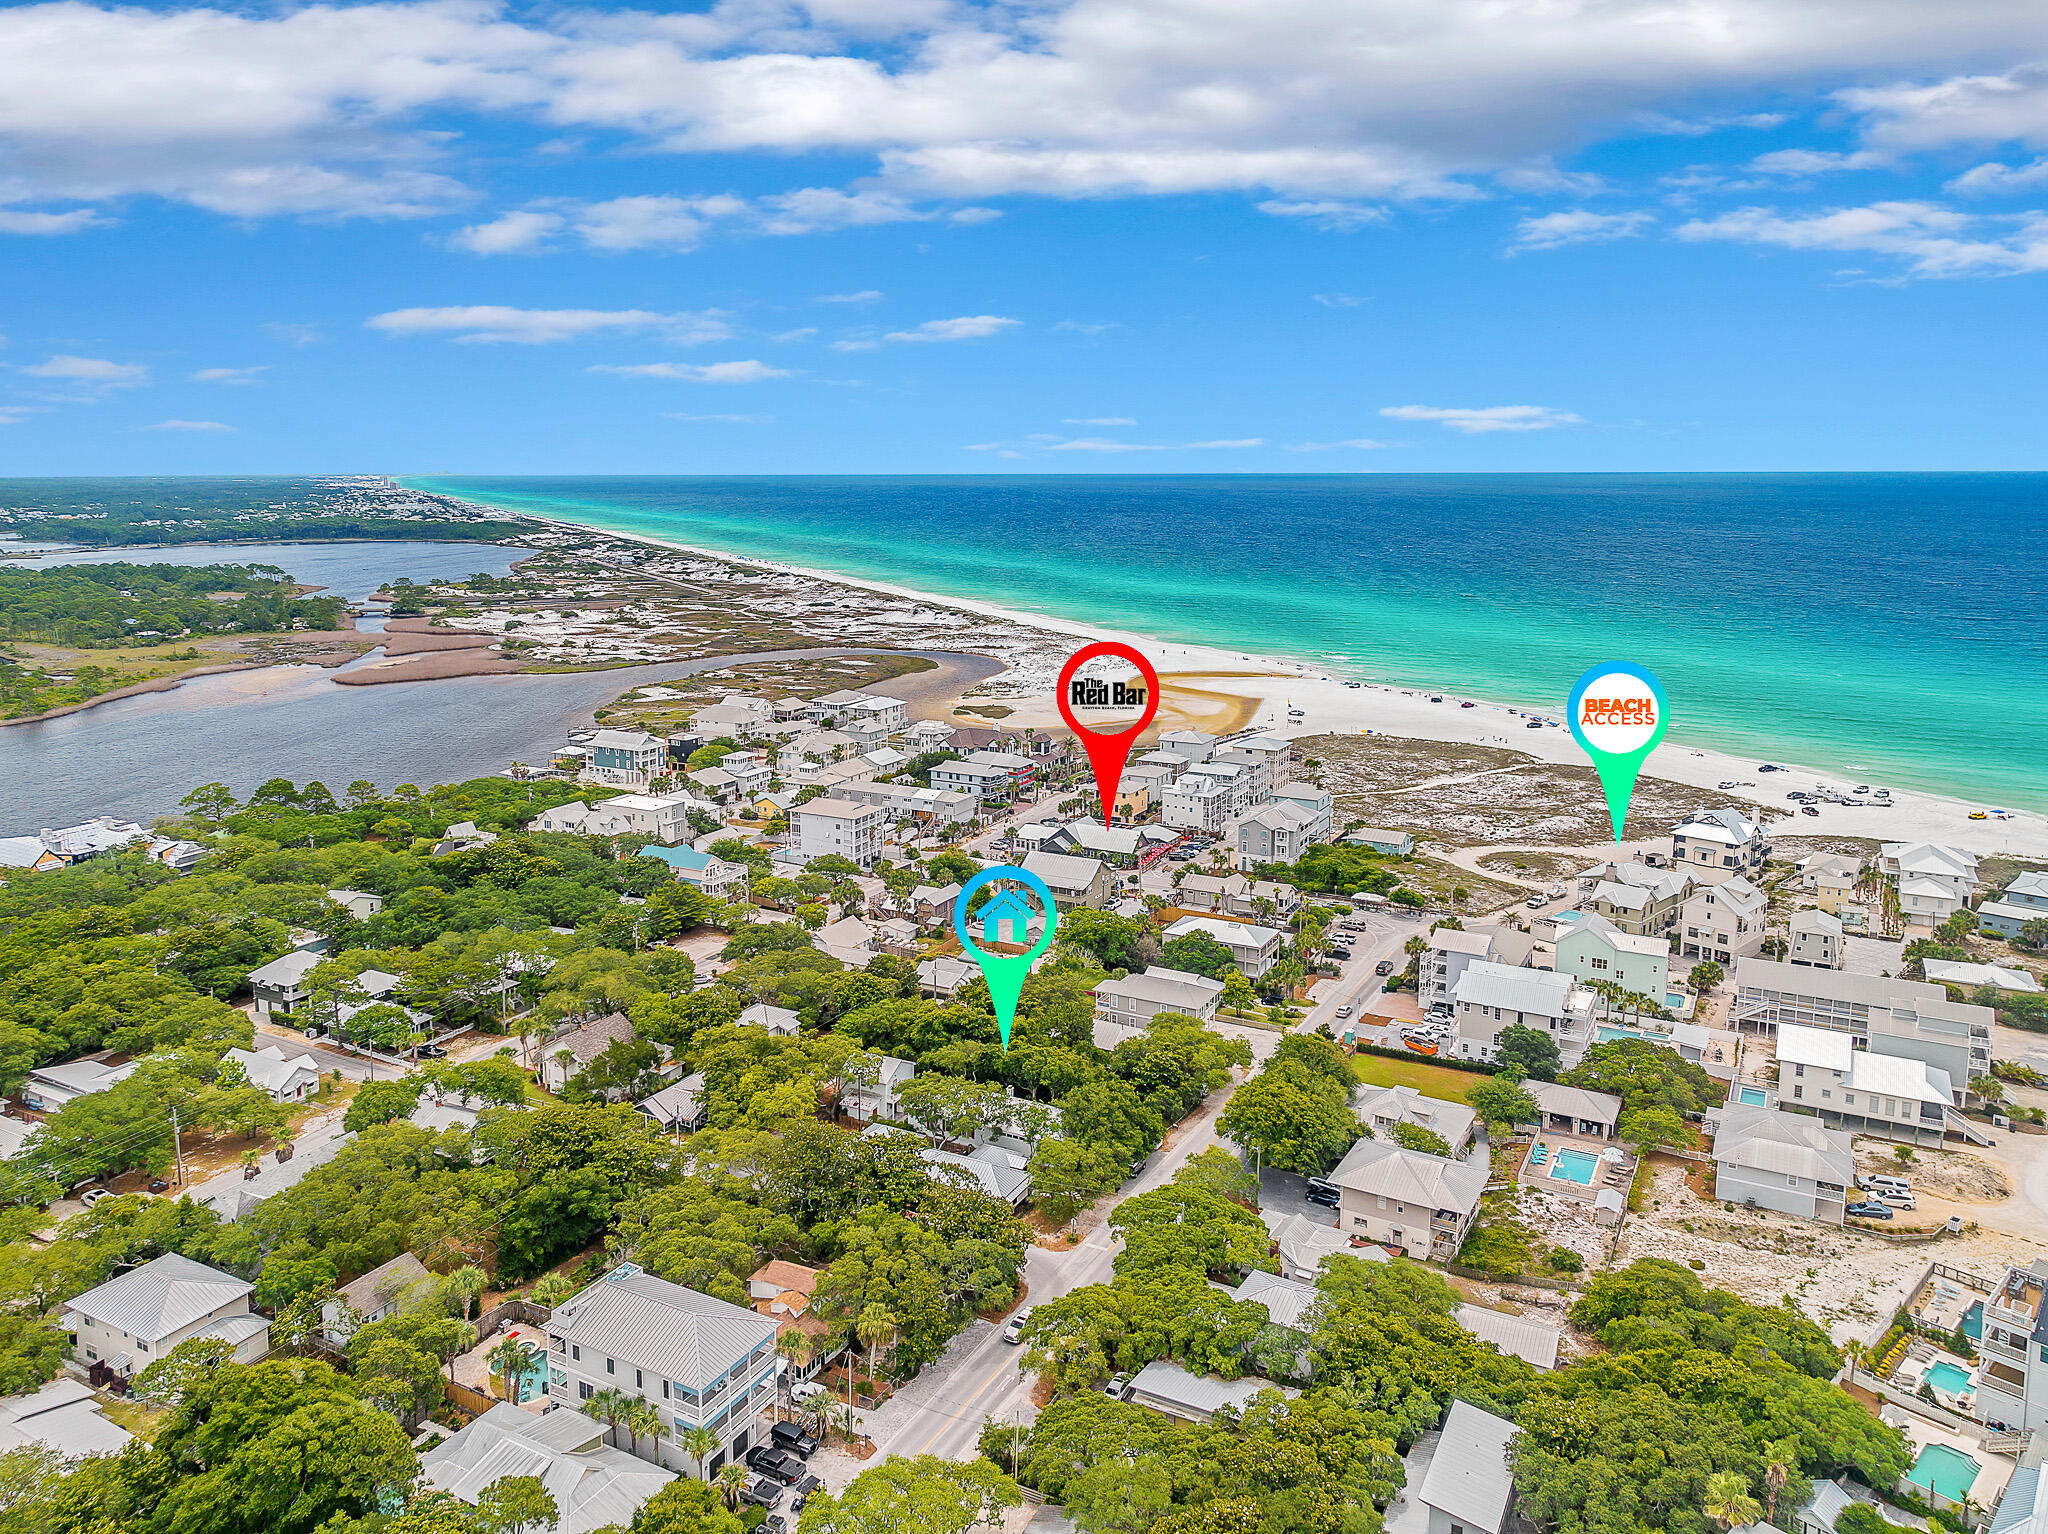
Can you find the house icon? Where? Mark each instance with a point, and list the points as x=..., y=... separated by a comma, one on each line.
x=1008, y=907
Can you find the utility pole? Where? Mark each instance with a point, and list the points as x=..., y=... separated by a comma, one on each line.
x=177, y=1147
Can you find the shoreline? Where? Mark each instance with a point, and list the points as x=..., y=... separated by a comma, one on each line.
x=1332, y=706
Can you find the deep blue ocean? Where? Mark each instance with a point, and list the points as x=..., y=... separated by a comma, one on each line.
x=1893, y=627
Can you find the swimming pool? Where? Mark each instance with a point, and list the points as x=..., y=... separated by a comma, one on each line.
x=1574, y=1166
x=1751, y=1097
x=1947, y=1378
x=1944, y=1471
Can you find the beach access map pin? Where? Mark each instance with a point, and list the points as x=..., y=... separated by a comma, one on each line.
x=1107, y=753
x=1617, y=712
x=1008, y=910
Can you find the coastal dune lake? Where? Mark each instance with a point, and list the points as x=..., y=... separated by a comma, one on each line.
x=1886, y=627
x=136, y=757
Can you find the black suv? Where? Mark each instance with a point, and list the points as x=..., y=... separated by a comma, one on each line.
x=787, y=1435
x=783, y=1466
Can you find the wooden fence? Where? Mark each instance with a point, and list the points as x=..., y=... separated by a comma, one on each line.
x=462, y=1398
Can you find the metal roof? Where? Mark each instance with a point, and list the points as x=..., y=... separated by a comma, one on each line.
x=161, y=1297
x=668, y=1330
x=1192, y=1394
x=1287, y=1301
x=1486, y=984
x=1387, y=1170
x=593, y=1486
x=1789, y=1144
x=1468, y=1475
x=1828, y=1048
x=1594, y=1107
x=1526, y=1339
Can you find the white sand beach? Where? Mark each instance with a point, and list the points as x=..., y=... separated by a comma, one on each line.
x=1331, y=706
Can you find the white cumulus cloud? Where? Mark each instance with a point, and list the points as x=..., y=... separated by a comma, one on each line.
x=1485, y=418
x=230, y=375
x=1927, y=239
x=1577, y=226
x=489, y=323
x=90, y=370
x=175, y=425
x=749, y=371
x=968, y=327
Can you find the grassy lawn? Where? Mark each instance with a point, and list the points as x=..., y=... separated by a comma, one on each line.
x=138, y=1418
x=1430, y=1080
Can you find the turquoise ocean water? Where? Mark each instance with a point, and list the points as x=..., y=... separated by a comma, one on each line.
x=1892, y=628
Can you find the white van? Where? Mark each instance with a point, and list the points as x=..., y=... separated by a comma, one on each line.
x=1882, y=1183
x=1896, y=1199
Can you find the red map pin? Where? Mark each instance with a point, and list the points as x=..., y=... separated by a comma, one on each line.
x=1107, y=753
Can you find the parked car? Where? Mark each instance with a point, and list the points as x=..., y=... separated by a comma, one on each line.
x=1116, y=1387
x=1014, y=1332
x=1535, y=902
x=776, y=1463
x=431, y=1052
x=787, y=1435
x=1881, y=1182
x=93, y=1196
x=761, y=1491
x=1338, y=953
x=775, y=1523
x=809, y=1390
x=158, y=1185
x=1808, y=809
x=1321, y=1191
x=1896, y=1199
x=803, y=1491
x=1868, y=1211
x=1384, y=967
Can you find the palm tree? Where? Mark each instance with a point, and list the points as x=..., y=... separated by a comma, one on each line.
x=700, y=1443
x=731, y=1480
x=465, y=1284
x=508, y=1359
x=874, y=1326
x=1728, y=1501
x=643, y=1421
x=839, y=1415
x=797, y=1346
x=1777, y=1471
x=564, y=1058
x=609, y=1407
x=552, y=1289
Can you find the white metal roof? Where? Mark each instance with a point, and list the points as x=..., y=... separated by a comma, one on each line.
x=593, y=1485
x=1384, y=1169
x=1828, y=1048
x=163, y=1296
x=1486, y=984
x=1788, y=1144
x=1468, y=1475
x=672, y=1332
x=1525, y=1339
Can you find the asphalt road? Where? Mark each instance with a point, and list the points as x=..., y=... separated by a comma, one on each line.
x=942, y=1412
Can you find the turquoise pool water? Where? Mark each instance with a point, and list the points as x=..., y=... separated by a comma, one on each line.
x=1751, y=1097
x=1954, y=1379
x=1944, y=1471
x=1973, y=1322
x=1574, y=1166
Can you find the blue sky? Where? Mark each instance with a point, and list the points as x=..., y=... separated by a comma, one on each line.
x=921, y=236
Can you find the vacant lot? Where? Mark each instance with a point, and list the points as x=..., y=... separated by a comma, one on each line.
x=1429, y=1080
x=1459, y=795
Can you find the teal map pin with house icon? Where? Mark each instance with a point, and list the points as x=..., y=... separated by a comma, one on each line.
x=1005, y=917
